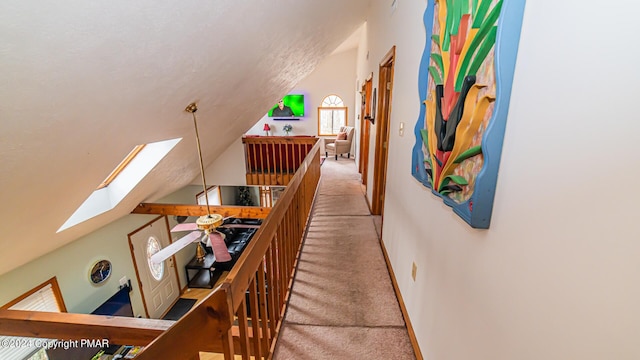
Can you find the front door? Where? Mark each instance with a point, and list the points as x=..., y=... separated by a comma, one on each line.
x=158, y=282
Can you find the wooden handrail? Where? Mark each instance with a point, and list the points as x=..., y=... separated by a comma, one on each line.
x=67, y=326
x=269, y=228
x=272, y=255
x=224, y=322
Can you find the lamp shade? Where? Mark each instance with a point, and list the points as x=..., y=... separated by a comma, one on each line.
x=266, y=127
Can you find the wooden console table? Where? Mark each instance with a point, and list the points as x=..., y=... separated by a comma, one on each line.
x=205, y=274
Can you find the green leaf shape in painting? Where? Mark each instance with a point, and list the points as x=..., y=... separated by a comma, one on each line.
x=464, y=8
x=435, y=75
x=447, y=27
x=456, y=179
x=424, y=133
x=478, y=18
x=474, y=8
x=449, y=189
x=486, y=46
x=481, y=35
x=437, y=58
x=436, y=39
x=471, y=152
x=455, y=25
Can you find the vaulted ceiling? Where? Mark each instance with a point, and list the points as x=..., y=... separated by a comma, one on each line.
x=83, y=82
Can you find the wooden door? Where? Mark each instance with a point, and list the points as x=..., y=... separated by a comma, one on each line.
x=385, y=87
x=158, y=283
x=365, y=130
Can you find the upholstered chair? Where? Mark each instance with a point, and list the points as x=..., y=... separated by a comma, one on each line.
x=341, y=144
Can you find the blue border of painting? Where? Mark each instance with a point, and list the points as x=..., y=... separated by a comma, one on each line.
x=506, y=50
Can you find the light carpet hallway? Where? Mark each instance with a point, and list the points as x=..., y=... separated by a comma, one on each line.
x=342, y=303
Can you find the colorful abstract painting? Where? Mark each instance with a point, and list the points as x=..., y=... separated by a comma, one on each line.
x=465, y=81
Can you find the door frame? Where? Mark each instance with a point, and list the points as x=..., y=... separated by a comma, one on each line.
x=365, y=129
x=383, y=111
x=135, y=265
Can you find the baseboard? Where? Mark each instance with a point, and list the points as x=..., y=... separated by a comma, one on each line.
x=403, y=309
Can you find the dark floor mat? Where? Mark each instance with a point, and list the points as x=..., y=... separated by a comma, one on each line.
x=179, y=308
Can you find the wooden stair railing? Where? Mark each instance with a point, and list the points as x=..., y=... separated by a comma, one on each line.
x=273, y=160
x=242, y=316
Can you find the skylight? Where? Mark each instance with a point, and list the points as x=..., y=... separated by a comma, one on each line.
x=123, y=164
x=124, y=178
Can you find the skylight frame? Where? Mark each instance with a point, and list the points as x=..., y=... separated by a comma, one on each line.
x=128, y=177
x=123, y=164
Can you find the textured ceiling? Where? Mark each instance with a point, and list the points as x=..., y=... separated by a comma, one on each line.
x=82, y=82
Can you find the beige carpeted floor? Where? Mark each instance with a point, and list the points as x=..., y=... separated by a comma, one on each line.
x=342, y=303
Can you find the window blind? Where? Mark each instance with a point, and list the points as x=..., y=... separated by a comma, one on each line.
x=12, y=347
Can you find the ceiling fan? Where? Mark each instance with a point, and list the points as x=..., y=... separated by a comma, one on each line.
x=205, y=227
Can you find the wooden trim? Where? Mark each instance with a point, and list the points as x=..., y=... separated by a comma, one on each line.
x=56, y=293
x=382, y=131
x=135, y=268
x=123, y=164
x=145, y=225
x=365, y=132
x=403, y=308
x=252, y=212
x=135, y=264
x=117, y=329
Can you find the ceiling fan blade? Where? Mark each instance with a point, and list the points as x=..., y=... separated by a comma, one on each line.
x=245, y=226
x=220, y=250
x=185, y=227
x=174, y=247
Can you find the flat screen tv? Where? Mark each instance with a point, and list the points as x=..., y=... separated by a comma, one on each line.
x=290, y=106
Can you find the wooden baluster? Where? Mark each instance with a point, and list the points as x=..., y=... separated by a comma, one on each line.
x=271, y=291
x=262, y=293
x=244, y=331
x=255, y=318
x=275, y=162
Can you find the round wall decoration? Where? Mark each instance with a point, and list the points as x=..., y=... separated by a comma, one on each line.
x=100, y=272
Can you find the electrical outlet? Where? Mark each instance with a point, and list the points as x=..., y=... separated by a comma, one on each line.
x=414, y=270
x=123, y=281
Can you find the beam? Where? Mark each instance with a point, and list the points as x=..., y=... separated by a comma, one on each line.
x=251, y=212
x=67, y=326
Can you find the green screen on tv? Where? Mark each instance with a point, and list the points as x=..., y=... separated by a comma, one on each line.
x=293, y=106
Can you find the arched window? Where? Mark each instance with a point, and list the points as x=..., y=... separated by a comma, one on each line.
x=332, y=114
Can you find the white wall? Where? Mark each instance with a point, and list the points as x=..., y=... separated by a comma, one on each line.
x=228, y=168
x=334, y=75
x=556, y=275
x=71, y=263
